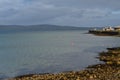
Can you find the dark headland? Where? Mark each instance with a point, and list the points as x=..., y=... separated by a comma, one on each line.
x=108, y=70
x=107, y=31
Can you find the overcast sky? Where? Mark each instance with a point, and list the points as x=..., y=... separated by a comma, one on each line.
x=60, y=12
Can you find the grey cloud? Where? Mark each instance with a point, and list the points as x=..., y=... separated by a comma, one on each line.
x=112, y=4
x=63, y=12
x=6, y=13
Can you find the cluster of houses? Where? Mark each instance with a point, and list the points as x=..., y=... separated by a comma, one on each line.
x=106, y=31
x=117, y=28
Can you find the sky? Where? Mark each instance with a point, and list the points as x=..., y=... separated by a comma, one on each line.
x=85, y=13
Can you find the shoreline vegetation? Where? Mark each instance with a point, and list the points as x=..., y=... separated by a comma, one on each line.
x=109, y=70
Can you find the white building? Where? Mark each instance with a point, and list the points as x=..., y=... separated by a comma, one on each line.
x=117, y=28
x=108, y=29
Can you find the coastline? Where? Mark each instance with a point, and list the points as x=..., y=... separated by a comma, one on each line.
x=107, y=32
x=109, y=70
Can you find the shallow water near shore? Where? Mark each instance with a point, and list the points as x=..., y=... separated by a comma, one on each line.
x=50, y=51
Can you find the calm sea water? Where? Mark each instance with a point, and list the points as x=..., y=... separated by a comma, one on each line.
x=50, y=51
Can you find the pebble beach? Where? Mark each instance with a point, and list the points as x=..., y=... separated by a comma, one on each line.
x=109, y=70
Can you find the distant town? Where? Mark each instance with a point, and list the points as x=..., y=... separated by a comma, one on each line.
x=106, y=31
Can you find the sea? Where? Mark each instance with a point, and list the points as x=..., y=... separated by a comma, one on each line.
x=50, y=51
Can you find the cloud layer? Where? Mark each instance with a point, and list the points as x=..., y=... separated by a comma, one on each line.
x=60, y=12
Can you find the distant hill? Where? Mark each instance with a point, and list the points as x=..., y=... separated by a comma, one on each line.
x=44, y=27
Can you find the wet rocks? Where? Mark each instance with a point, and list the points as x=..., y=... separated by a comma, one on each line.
x=112, y=56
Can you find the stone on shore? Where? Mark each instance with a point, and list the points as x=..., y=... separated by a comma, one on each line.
x=110, y=70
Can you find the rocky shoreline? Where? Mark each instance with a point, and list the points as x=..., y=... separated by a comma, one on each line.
x=109, y=70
